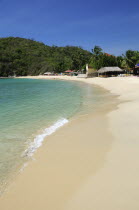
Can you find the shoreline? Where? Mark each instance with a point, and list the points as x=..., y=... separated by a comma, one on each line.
x=94, y=168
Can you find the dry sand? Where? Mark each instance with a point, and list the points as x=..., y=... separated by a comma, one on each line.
x=90, y=163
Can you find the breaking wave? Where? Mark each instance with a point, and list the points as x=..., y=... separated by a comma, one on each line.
x=39, y=139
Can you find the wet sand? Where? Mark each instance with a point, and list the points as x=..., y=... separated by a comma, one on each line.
x=90, y=163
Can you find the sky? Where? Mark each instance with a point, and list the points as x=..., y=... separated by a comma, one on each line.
x=112, y=25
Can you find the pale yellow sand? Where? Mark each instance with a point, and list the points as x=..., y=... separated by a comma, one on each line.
x=91, y=163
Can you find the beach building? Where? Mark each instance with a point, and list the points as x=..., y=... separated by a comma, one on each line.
x=136, y=69
x=68, y=72
x=109, y=71
x=90, y=71
x=87, y=72
x=71, y=72
x=48, y=73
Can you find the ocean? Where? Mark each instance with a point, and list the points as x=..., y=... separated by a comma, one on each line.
x=31, y=110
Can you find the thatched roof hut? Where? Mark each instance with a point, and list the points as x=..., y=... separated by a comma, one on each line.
x=109, y=69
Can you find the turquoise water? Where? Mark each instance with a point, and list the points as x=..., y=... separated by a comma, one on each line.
x=33, y=109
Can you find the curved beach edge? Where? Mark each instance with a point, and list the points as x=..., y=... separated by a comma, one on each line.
x=91, y=163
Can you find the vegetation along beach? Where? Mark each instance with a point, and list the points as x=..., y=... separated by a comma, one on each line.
x=69, y=105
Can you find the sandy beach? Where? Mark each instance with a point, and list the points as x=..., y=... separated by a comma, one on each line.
x=90, y=163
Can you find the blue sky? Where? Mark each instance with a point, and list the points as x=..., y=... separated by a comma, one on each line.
x=113, y=25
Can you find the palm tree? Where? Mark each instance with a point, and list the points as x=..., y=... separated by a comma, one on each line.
x=131, y=58
x=97, y=51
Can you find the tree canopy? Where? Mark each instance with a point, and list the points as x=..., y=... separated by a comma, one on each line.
x=28, y=57
x=131, y=58
x=101, y=59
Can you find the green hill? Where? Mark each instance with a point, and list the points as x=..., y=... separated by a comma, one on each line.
x=28, y=57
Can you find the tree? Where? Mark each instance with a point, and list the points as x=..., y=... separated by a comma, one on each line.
x=132, y=58
x=97, y=51
x=100, y=59
x=96, y=57
x=28, y=57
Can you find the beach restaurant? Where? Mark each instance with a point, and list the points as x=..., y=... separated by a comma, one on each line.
x=69, y=72
x=109, y=71
x=136, y=70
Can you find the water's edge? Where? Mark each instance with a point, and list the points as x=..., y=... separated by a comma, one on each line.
x=38, y=140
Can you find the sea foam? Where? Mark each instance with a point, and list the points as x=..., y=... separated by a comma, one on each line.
x=39, y=139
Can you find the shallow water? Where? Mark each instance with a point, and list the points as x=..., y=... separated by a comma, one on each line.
x=32, y=109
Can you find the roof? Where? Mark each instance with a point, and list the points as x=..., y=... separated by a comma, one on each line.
x=109, y=69
x=48, y=72
x=108, y=54
x=69, y=71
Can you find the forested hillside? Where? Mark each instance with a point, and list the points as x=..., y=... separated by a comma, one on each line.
x=28, y=57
